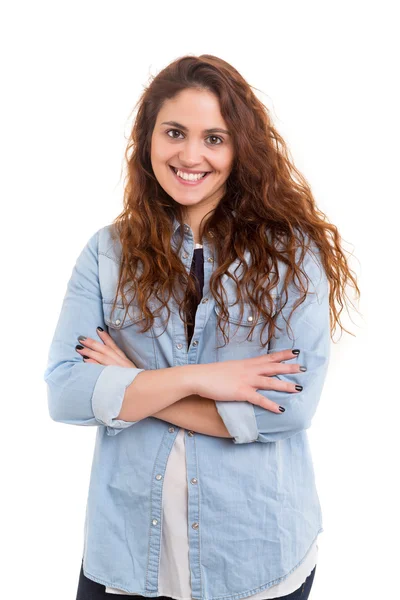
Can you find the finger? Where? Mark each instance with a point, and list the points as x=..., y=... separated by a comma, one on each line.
x=273, y=368
x=266, y=403
x=113, y=354
x=103, y=358
x=93, y=344
x=280, y=355
x=108, y=341
x=269, y=383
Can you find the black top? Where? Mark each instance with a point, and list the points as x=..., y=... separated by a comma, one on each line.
x=197, y=270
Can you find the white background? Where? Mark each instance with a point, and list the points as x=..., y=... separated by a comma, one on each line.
x=71, y=74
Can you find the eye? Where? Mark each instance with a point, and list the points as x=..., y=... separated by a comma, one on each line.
x=174, y=130
x=216, y=137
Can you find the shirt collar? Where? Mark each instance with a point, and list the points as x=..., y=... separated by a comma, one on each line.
x=175, y=226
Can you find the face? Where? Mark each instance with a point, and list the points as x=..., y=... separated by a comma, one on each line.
x=181, y=142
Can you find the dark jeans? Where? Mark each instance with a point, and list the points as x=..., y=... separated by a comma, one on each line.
x=91, y=590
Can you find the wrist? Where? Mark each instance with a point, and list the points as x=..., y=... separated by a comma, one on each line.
x=190, y=378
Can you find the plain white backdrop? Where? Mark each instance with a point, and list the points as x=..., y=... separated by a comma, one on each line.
x=71, y=74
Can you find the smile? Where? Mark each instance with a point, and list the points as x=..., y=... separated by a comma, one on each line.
x=193, y=179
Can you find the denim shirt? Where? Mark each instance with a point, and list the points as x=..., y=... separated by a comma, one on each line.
x=253, y=507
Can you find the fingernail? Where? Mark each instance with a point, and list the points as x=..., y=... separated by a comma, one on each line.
x=299, y=388
x=100, y=328
x=78, y=347
x=303, y=368
x=81, y=338
x=83, y=356
x=281, y=409
x=296, y=352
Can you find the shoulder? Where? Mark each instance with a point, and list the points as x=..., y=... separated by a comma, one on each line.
x=307, y=257
x=108, y=242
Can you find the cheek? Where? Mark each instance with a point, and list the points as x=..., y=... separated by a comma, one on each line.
x=160, y=151
x=224, y=165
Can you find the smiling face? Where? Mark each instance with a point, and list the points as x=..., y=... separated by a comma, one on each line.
x=191, y=135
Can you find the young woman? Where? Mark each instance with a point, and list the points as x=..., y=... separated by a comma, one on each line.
x=195, y=334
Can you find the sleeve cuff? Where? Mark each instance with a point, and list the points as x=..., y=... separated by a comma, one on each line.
x=240, y=420
x=108, y=396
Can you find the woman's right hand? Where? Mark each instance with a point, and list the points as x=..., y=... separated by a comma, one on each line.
x=238, y=380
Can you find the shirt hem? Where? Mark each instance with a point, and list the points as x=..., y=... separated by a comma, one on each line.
x=236, y=596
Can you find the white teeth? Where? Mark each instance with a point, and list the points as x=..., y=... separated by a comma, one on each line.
x=189, y=177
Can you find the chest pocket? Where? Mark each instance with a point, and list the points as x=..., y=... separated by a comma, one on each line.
x=124, y=328
x=238, y=328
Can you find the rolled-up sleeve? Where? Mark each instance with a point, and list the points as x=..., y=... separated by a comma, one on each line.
x=309, y=331
x=80, y=393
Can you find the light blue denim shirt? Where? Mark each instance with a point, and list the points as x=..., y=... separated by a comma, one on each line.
x=254, y=510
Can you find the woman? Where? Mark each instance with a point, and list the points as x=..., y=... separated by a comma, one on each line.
x=202, y=484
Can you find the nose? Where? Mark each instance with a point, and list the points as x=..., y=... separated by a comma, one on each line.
x=191, y=153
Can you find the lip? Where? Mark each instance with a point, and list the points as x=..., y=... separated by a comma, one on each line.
x=192, y=183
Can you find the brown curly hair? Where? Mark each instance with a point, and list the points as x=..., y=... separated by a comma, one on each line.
x=264, y=193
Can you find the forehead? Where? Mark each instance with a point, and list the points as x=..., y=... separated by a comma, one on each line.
x=195, y=109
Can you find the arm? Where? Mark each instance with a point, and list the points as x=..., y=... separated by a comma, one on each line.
x=195, y=413
x=93, y=394
x=309, y=330
x=156, y=390
x=79, y=393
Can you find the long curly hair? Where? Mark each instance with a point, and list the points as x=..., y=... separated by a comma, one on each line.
x=268, y=208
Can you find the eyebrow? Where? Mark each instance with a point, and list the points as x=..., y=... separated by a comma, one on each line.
x=212, y=130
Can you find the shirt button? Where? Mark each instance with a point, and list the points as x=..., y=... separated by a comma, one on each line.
x=185, y=255
x=210, y=259
x=187, y=227
x=204, y=300
x=154, y=521
x=179, y=346
x=250, y=318
x=117, y=322
x=195, y=525
x=191, y=433
x=194, y=480
x=195, y=343
x=171, y=429
x=158, y=477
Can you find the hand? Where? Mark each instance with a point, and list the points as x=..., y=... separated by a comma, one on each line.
x=238, y=380
x=106, y=353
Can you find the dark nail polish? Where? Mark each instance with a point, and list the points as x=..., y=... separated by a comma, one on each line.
x=299, y=388
x=303, y=369
x=281, y=409
x=78, y=347
x=296, y=352
x=100, y=328
x=83, y=356
x=81, y=338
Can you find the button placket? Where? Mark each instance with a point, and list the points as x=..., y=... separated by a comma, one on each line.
x=156, y=514
x=193, y=512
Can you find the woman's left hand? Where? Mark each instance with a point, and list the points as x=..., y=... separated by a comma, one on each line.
x=106, y=353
